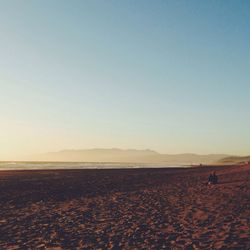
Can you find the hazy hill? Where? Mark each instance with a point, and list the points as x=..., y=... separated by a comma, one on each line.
x=129, y=155
x=234, y=160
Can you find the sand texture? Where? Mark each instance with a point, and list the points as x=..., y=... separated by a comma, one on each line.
x=125, y=209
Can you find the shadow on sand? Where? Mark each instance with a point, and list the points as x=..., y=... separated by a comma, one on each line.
x=229, y=182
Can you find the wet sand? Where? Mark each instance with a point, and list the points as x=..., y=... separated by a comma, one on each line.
x=125, y=209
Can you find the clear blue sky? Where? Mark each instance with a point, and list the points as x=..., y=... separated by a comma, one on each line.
x=173, y=76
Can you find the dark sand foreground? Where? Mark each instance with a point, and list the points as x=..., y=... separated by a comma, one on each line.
x=125, y=209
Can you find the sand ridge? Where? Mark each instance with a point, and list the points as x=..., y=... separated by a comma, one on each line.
x=125, y=209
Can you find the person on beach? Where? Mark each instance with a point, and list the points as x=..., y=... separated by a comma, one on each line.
x=212, y=179
x=215, y=178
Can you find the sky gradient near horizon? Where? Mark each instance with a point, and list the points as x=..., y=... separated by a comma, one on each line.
x=172, y=76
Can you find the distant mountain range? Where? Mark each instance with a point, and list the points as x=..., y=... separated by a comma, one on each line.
x=127, y=156
x=234, y=160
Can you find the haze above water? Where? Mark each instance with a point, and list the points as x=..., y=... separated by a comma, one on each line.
x=109, y=158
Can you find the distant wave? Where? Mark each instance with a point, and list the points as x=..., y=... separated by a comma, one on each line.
x=70, y=165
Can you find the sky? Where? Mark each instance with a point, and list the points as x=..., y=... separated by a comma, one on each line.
x=171, y=76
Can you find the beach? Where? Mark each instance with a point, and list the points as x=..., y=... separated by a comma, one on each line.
x=150, y=208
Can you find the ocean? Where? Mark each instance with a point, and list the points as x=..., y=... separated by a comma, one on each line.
x=10, y=165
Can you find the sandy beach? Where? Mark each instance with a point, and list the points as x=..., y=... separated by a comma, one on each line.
x=125, y=209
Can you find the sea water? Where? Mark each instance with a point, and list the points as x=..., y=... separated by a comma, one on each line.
x=10, y=165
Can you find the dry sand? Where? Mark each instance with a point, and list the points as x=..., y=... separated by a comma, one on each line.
x=125, y=209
